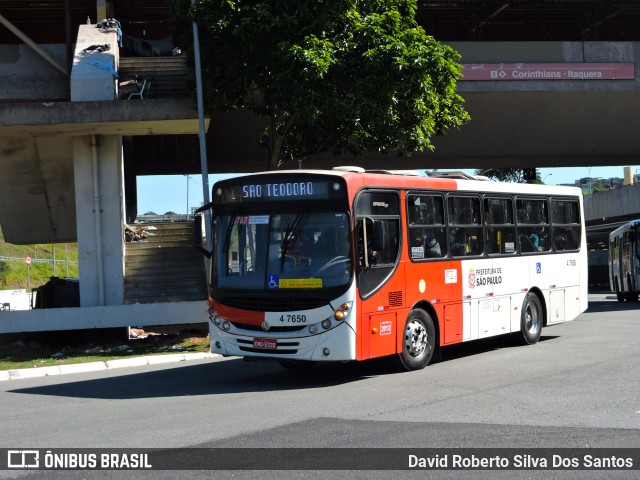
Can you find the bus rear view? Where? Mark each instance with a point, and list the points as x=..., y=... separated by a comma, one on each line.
x=624, y=261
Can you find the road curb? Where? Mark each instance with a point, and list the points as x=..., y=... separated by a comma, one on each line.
x=36, y=372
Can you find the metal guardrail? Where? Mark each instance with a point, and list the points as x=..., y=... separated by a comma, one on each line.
x=142, y=219
x=38, y=260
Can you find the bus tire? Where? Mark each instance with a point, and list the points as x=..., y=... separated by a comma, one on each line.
x=418, y=341
x=531, y=320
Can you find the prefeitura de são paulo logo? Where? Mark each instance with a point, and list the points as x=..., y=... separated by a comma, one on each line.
x=472, y=278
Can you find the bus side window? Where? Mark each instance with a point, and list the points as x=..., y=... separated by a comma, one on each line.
x=565, y=217
x=465, y=234
x=499, y=225
x=384, y=243
x=426, y=226
x=381, y=242
x=378, y=239
x=533, y=225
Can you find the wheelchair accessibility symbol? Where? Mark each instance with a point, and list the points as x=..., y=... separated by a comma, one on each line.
x=274, y=281
x=538, y=267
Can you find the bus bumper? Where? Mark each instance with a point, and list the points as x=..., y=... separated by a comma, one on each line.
x=337, y=344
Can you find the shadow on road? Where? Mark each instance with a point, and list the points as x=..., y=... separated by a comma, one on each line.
x=239, y=376
x=610, y=304
x=211, y=378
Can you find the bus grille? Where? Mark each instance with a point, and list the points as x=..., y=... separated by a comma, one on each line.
x=284, y=348
x=258, y=328
x=258, y=304
x=395, y=299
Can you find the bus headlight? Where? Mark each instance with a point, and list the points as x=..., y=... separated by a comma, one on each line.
x=313, y=329
x=326, y=324
x=226, y=326
x=217, y=319
x=212, y=312
x=342, y=312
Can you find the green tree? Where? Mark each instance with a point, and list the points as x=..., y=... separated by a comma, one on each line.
x=337, y=76
x=599, y=186
x=515, y=175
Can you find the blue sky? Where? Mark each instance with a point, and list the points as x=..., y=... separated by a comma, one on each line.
x=164, y=193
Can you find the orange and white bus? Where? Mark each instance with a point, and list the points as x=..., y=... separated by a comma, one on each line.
x=345, y=264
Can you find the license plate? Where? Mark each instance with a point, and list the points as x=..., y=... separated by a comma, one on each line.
x=265, y=343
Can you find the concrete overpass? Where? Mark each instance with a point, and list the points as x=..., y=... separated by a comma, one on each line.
x=63, y=180
x=527, y=122
x=606, y=211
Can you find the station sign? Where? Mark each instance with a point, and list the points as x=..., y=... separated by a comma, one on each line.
x=547, y=71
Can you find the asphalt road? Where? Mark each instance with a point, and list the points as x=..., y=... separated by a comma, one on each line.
x=577, y=388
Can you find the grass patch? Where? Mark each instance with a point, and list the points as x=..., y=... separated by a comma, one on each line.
x=13, y=270
x=29, y=354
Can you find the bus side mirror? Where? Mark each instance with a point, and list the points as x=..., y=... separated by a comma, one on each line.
x=199, y=233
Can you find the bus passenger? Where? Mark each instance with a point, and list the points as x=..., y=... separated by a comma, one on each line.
x=301, y=246
x=432, y=247
x=560, y=240
x=457, y=243
x=543, y=240
x=534, y=239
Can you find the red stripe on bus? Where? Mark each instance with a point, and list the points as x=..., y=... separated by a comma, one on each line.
x=236, y=314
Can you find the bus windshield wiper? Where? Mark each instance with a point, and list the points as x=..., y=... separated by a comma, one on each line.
x=227, y=235
x=294, y=230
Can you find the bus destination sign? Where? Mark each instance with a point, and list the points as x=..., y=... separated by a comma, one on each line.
x=293, y=190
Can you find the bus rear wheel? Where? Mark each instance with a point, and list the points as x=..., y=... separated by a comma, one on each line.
x=531, y=320
x=419, y=340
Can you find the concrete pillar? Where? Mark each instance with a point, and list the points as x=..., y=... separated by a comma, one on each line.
x=100, y=219
x=98, y=175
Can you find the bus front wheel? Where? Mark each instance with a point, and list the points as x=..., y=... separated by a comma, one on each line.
x=419, y=340
x=531, y=319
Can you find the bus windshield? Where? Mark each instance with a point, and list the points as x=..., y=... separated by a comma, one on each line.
x=304, y=249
